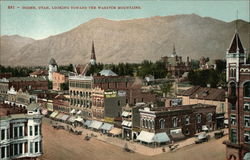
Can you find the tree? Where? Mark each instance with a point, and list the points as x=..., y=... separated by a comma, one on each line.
x=50, y=85
x=166, y=88
x=64, y=86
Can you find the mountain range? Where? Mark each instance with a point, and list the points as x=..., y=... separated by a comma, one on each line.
x=127, y=41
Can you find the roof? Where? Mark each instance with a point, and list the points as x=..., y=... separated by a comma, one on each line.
x=236, y=45
x=32, y=106
x=6, y=109
x=107, y=72
x=93, y=51
x=11, y=79
x=40, y=72
x=52, y=61
x=206, y=93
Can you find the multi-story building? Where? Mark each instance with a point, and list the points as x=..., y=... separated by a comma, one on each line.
x=238, y=79
x=21, y=136
x=59, y=79
x=80, y=90
x=25, y=83
x=52, y=68
x=184, y=120
x=175, y=65
x=4, y=87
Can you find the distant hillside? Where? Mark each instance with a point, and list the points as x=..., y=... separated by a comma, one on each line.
x=131, y=41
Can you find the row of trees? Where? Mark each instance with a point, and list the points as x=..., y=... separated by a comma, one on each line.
x=16, y=71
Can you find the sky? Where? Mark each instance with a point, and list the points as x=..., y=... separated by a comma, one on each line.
x=42, y=23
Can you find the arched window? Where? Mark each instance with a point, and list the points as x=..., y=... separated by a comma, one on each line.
x=246, y=87
x=187, y=120
x=232, y=89
x=209, y=117
x=162, y=124
x=198, y=116
x=175, y=124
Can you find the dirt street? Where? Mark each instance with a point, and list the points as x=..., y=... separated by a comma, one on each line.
x=62, y=145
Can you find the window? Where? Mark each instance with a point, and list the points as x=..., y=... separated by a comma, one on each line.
x=15, y=132
x=175, y=123
x=31, y=147
x=162, y=124
x=20, y=148
x=198, y=117
x=233, y=120
x=31, y=132
x=143, y=123
x=21, y=131
x=246, y=87
x=209, y=117
x=233, y=136
x=36, y=147
x=118, y=103
x=233, y=106
x=246, y=107
x=36, y=130
x=233, y=89
x=247, y=121
x=187, y=120
x=2, y=134
x=16, y=149
x=40, y=146
x=2, y=152
x=247, y=137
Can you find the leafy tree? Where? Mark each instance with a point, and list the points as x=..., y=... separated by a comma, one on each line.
x=50, y=84
x=166, y=88
x=65, y=86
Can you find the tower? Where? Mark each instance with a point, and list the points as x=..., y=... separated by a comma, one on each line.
x=52, y=68
x=238, y=79
x=93, y=57
x=174, y=52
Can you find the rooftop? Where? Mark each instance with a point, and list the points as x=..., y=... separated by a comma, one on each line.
x=11, y=79
x=6, y=110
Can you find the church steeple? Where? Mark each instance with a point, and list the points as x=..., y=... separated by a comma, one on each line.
x=174, y=52
x=93, y=57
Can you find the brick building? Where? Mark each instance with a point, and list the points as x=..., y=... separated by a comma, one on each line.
x=238, y=79
x=175, y=122
x=175, y=65
x=26, y=83
x=20, y=129
x=60, y=78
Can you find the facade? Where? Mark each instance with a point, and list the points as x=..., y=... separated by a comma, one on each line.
x=59, y=78
x=24, y=83
x=175, y=65
x=238, y=79
x=52, y=68
x=4, y=87
x=21, y=136
x=80, y=90
x=176, y=122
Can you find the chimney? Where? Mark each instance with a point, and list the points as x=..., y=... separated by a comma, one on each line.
x=187, y=60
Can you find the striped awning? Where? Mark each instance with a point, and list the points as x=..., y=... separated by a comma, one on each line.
x=107, y=126
x=96, y=124
x=72, y=119
x=54, y=114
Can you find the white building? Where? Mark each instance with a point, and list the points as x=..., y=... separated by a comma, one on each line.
x=20, y=132
x=52, y=68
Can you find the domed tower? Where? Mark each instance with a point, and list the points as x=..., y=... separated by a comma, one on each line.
x=52, y=68
x=93, y=57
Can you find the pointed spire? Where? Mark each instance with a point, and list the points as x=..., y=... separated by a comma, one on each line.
x=93, y=51
x=236, y=22
x=174, y=52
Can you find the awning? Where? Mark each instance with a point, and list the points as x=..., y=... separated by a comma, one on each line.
x=59, y=116
x=205, y=128
x=72, y=119
x=96, y=124
x=247, y=156
x=54, y=114
x=107, y=126
x=87, y=123
x=73, y=111
x=202, y=135
x=115, y=131
x=125, y=113
x=79, y=112
x=226, y=121
x=126, y=123
x=79, y=119
x=161, y=137
x=146, y=137
x=65, y=117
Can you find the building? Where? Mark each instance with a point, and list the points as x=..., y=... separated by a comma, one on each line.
x=4, y=87
x=206, y=95
x=52, y=68
x=160, y=124
x=24, y=83
x=175, y=65
x=21, y=135
x=238, y=79
x=39, y=73
x=60, y=80
x=19, y=98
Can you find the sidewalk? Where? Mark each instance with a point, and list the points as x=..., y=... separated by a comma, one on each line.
x=135, y=146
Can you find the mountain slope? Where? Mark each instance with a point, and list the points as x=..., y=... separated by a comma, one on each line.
x=135, y=40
